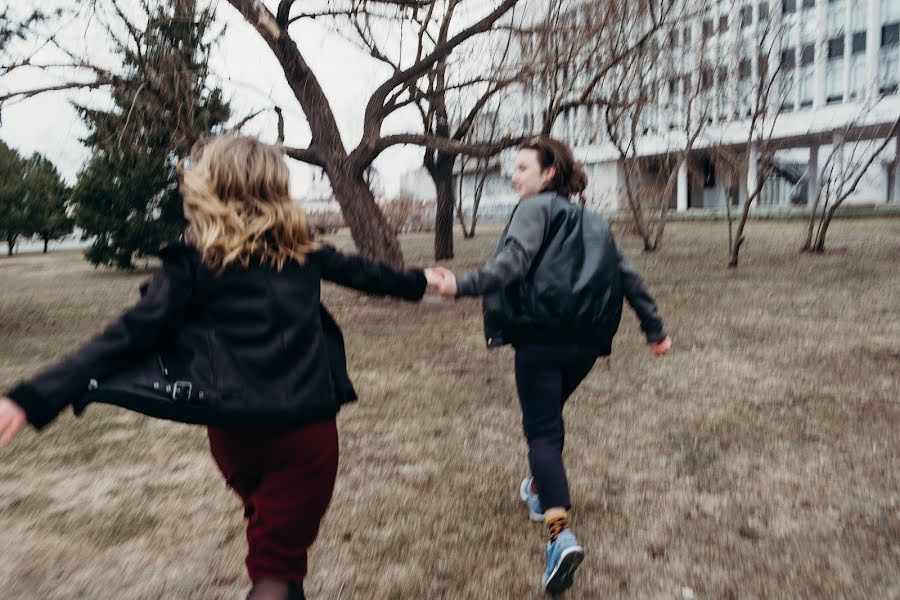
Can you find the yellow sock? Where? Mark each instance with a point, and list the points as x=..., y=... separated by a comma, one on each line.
x=556, y=522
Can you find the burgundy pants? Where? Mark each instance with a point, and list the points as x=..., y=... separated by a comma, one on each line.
x=285, y=478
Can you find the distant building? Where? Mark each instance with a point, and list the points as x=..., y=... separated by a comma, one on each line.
x=839, y=59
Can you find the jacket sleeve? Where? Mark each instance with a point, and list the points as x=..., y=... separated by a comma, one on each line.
x=370, y=276
x=527, y=230
x=137, y=331
x=640, y=299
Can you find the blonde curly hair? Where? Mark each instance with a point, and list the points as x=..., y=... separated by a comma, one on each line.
x=237, y=204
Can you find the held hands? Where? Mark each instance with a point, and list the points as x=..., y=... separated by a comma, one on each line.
x=661, y=347
x=441, y=281
x=12, y=419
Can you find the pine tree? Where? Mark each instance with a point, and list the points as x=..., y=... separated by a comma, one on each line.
x=12, y=213
x=45, y=198
x=126, y=196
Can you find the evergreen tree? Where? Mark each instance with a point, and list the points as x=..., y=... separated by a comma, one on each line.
x=45, y=198
x=126, y=196
x=32, y=199
x=12, y=210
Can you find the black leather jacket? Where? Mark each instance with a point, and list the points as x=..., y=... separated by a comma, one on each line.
x=247, y=347
x=558, y=275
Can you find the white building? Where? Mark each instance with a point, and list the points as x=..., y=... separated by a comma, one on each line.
x=839, y=72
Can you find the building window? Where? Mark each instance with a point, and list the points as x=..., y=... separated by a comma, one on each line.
x=723, y=23
x=806, y=75
x=789, y=6
x=887, y=64
x=707, y=29
x=809, y=3
x=763, y=9
x=745, y=87
x=857, y=66
x=890, y=35
x=746, y=15
x=788, y=77
x=721, y=96
x=836, y=48
x=807, y=54
x=834, y=70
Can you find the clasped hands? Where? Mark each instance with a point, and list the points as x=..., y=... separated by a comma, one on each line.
x=441, y=281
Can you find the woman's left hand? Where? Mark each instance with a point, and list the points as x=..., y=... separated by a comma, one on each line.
x=662, y=347
x=12, y=420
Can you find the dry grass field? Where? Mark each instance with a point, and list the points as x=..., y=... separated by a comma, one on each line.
x=760, y=459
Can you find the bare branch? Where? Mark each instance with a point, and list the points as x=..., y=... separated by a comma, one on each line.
x=307, y=155
x=240, y=124
x=284, y=10
x=280, y=125
x=449, y=146
x=24, y=94
x=375, y=110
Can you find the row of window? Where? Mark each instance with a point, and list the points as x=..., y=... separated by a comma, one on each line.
x=889, y=8
x=582, y=124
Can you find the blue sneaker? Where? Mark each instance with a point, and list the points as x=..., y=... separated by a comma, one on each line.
x=563, y=557
x=531, y=500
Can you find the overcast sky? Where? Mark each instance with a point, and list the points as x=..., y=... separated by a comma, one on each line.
x=251, y=78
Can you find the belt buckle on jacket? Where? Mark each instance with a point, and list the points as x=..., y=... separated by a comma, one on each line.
x=181, y=391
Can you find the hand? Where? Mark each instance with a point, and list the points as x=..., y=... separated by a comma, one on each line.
x=661, y=347
x=12, y=419
x=447, y=286
x=434, y=278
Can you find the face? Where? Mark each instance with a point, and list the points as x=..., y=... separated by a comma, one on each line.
x=528, y=177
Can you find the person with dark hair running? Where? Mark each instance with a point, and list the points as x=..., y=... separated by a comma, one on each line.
x=554, y=290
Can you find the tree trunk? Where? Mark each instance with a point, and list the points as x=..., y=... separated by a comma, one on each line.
x=637, y=212
x=442, y=174
x=371, y=233
x=10, y=244
x=823, y=227
x=46, y=242
x=664, y=209
x=738, y=239
x=807, y=243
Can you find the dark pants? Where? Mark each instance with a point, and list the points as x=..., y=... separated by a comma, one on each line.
x=285, y=478
x=546, y=375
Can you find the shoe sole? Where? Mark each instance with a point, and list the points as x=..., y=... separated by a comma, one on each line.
x=561, y=578
x=536, y=517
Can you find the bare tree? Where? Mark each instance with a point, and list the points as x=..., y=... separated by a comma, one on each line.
x=636, y=89
x=478, y=169
x=761, y=94
x=853, y=151
x=452, y=94
x=345, y=167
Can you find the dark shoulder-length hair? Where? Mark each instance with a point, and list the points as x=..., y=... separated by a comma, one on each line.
x=570, y=178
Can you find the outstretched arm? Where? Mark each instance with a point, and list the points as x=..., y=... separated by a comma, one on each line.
x=370, y=276
x=137, y=331
x=524, y=238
